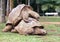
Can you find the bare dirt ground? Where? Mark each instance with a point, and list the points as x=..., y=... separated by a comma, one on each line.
x=50, y=22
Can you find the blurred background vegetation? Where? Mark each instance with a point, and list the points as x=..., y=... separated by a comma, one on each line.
x=40, y=6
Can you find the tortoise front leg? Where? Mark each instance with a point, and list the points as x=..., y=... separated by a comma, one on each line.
x=7, y=28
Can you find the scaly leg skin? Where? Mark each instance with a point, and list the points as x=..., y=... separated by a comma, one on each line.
x=14, y=31
x=7, y=28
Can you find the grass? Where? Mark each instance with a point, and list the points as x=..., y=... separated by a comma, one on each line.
x=52, y=36
x=49, y=19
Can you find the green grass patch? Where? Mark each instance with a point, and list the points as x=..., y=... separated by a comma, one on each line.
x=52, y=36
x=49, y=19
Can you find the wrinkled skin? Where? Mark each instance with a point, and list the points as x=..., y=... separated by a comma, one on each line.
x=39, y=31
x=23, y=21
